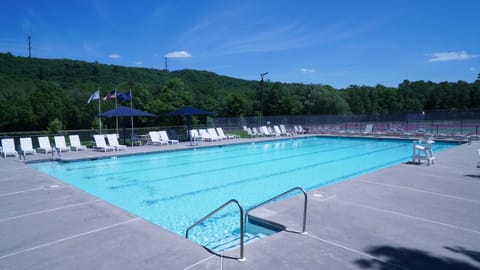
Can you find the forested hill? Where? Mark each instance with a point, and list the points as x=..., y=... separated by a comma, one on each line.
x=33, y=92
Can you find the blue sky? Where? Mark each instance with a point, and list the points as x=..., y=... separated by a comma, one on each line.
x=339, y=43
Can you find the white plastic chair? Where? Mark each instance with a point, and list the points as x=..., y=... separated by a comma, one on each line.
x=113, y=141
x=222, y=134
x=60, y=144
x=100, y=143
x=155, y=138
x=26, y=146
x=44, y=145
x=8, y=148
x=164, y=137
x=75, y=143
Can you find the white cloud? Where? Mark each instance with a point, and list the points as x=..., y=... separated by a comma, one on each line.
x=450, y=56
x=114, y=56
x=179, y=54
x=472, y=69
x=139, y=63
x=307, y=70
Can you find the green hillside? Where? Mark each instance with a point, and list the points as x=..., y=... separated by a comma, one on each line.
x=34, y=92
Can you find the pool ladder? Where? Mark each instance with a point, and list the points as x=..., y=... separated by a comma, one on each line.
x=304, y=223
x=243, y=219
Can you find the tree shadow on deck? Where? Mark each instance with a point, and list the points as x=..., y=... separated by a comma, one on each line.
x=473, y=175
x=406, y=258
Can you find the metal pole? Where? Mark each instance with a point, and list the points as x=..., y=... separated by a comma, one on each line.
x=131, y=117
x=261, y=87
x=99, y=112
x=116, y=106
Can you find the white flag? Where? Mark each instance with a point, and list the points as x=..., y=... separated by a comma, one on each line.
x=95, y=95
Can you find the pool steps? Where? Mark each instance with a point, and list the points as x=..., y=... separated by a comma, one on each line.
x=251, y=228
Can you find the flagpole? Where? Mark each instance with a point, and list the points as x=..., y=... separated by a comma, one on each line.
x=131, y=117
x=116, y=117
x=99, y=112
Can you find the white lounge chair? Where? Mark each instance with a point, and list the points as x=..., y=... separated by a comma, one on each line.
x=478, y=151
x=60, y=144
x=265, y=131
x=302, y=130
x=299, y=130
x=44, y=145
x=214, y=134
x=206, y=137
x=195, y=138
x=100, y=144
x=113, y=141
x=250, y=132
x=284, y=131
x=255, y=132
x=164, y=137
x=8, y=148
x=277, y=131
x=368, y=129
x=423, y=152
x=155, y=138
x=26, y=146
x=222, y=134
x=75, y=144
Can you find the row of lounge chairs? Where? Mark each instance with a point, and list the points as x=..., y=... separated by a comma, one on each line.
x=45, y=146
x=209, y=135
x=268, y=131
x=26, y=146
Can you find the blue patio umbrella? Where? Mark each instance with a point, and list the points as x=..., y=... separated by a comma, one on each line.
x=123, y=111
x=188, y=112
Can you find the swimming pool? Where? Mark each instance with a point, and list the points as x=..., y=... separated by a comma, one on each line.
x=175, y=189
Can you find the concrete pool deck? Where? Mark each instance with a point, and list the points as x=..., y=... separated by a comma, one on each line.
x=403, y=217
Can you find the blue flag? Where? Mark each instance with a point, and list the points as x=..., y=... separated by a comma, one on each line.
x=127, y=96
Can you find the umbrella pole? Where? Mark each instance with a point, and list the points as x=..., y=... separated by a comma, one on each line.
x=124, y=132
x=116, y=108
x=131, y=118
x=189, y=120
x=99, y=117
x=131, y=137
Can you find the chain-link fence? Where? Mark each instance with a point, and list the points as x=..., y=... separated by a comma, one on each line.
x=441, y=123
x=434, y=123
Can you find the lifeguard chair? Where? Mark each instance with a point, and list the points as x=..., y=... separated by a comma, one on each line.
x=423, y=152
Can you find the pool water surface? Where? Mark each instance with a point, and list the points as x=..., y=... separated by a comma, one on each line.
x=175, y=189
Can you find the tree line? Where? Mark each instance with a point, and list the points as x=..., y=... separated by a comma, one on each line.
x=34, y=92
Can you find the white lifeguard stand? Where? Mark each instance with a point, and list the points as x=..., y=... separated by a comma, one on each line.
x=423, y=152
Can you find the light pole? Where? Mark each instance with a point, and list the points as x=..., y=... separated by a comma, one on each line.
x=261, y=88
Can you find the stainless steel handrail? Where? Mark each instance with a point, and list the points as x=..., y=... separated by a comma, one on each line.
x=242, y=231
x=304, y=227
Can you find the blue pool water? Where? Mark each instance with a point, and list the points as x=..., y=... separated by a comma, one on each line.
x=175, y=189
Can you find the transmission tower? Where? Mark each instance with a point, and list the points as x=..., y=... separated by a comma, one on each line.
x=29, y=48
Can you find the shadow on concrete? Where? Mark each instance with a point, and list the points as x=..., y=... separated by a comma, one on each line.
x=406, y=258
x=473, y=175
x=472, y=254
